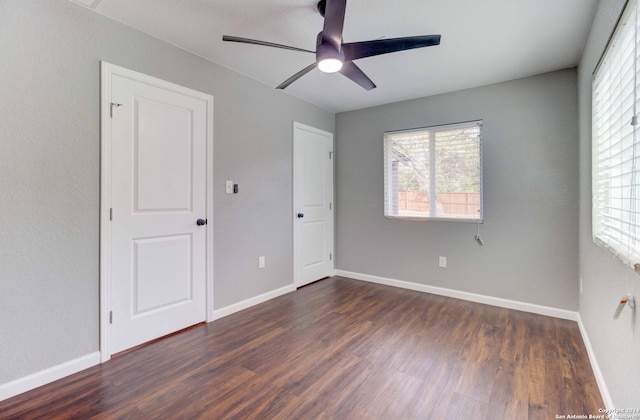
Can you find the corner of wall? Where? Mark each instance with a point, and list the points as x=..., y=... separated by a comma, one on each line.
x=602, y=385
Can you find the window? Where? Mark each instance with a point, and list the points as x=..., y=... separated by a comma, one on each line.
x=615, y=149
x=434, y=173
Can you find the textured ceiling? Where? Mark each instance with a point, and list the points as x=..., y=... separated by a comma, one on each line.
x=483, y=41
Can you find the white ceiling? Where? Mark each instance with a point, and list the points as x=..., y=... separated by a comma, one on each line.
x=483, y=41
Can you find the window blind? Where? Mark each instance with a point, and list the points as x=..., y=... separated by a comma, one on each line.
x=434, y=172
x=615, y=154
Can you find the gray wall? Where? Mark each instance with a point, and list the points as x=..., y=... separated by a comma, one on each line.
x=616, y=344
x=530, y=141
x=49, y=189
x=49, y=174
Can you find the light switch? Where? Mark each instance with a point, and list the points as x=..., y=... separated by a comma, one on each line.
x=228, y=186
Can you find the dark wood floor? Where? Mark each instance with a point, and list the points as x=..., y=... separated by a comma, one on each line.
x=340, y=349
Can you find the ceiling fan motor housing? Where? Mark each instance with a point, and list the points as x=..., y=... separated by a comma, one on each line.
x=325, y=50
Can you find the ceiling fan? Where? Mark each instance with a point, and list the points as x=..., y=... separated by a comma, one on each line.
x=332, y=55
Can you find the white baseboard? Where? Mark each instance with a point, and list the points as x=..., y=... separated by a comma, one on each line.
x=236, y=307
x=504, y=303
x=472, y=297
x=604, y=391
x=35, y=380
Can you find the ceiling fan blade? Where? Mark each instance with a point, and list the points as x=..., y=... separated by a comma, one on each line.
x=334, y=22
x=296, y=76
x=354, y=73
x=355, y=50
x=263, y=43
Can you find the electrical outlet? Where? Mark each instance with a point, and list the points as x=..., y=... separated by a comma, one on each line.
x=228, y=187
x=442, y=262
x=261, y=262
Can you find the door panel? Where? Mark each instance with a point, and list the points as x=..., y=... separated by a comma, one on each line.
x=313, y=195
x=161, y=272
x=314, y=244
x=158, y=253
x=163, y=156
x=315, y=151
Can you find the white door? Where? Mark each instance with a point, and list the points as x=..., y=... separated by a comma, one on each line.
x=158, y=249
x=312, y=204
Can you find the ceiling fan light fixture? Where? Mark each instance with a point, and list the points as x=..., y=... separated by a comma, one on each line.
x=330, y=65
x=329, y=57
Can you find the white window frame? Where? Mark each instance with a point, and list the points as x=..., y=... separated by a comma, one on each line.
x=615, y=148
x=389, y=187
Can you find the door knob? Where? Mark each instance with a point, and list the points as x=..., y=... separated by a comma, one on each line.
x=300, y=215
x=201, y=222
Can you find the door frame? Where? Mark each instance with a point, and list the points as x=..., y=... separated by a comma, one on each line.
x=108, y=70
x=296, y=257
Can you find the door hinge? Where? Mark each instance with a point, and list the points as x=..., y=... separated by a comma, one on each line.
x=111, y=213
x=110, y=317
x=330, y=155
x=330, y=257
x=329, y=206
x=112, y=104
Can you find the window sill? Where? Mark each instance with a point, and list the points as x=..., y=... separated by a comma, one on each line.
x=435, y=219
